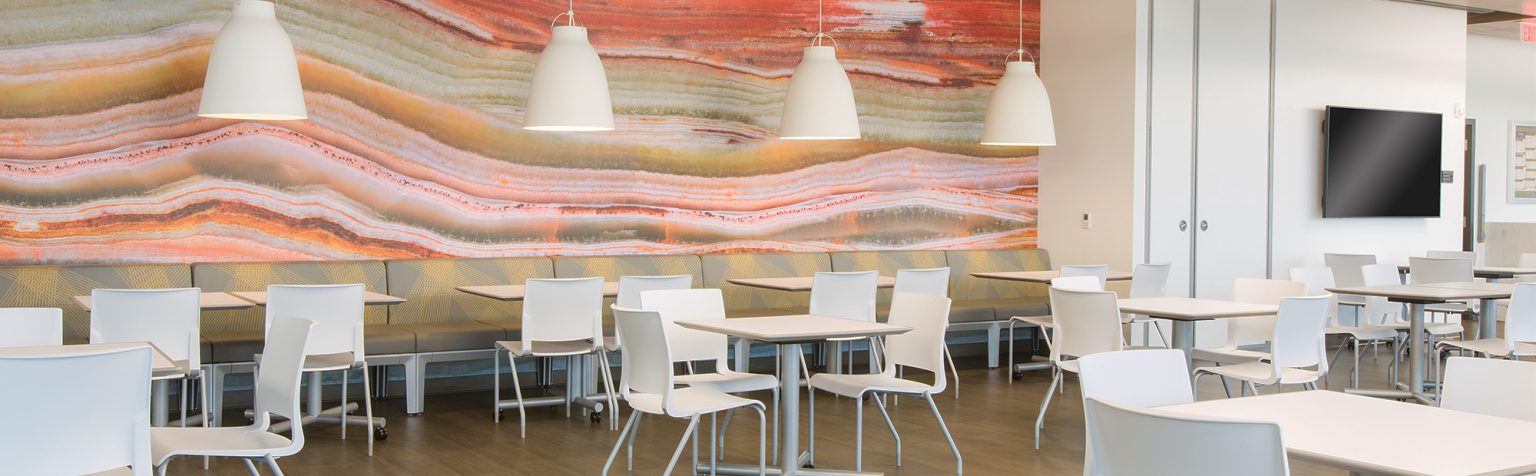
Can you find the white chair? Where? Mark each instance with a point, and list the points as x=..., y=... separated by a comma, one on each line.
x=628, y=296
x=1149, y=280
x=1389, y=314
x=1519, y=330
x=846, y=295
x=1317, y=281
x=335, y=344
x=921, y=348
x=1244, y=331
x=1047, y=323
x=1298, y=343
x=1449, y=254
x=1087, y=322
x=276, y=393
x=56, y=421
x=1128, y=441
x=1143, y=377
x=561, y=318
x=1442, y=270
x=167, y=318
x=932, y=281
x=649, y=386
x=1346, y=274
x=31, y=326
x=1500, y=388
x=1100, y=271
x=690, y=346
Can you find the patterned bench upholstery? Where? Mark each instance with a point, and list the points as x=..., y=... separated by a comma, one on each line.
x=746, y=301
x=1006, y=298
x=57, y=285
x=610, y=268
x=446, y=319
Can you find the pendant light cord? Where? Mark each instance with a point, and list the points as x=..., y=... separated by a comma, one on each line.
x=1021, y=51
x=820, y=34
x=569, y=14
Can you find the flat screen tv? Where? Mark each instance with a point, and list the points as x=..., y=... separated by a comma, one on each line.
x=1380, y=163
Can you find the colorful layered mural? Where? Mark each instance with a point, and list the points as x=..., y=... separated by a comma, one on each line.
x=414, y=147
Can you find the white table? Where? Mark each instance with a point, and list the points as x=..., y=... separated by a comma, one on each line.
x=211, y=301
x=1489, y=272
x=1043, y=277
x=370, y=298
x=797, y=284
x=515, y=292
x=1400, y=438
x=789, y=332
x=1185, y=312
x=1416, y=296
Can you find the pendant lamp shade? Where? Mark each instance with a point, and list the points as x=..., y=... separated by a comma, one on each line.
x=820, y=102
x=1020, y=112
x=569, y=91
x=252, y=71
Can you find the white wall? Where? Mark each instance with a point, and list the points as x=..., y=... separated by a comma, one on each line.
x=1501, y=87
x=1361, y=53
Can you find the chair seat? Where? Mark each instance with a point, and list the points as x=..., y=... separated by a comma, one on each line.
x=611, y=343
x=729, y=381
x=1433, y=328
x=549, y=349
x=1227, y=355
x=1260, y=373
x=453, y=336
x=857, y=385
x=323, y=362
x=226, y=441
x=181, y=371
x=689, y=401
x=1364, y=332
x=1044, y=322
x=1494, y=346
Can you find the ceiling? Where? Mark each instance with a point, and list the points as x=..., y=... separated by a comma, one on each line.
x=1499, y=18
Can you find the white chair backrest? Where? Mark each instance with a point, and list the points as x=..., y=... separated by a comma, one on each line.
x=1439, y=270
x=336, y=310
x=75, y=411
x=1520, y=322
x=562, y=310
x=847, y=295
x=923, y=281
x=1380, y=275
x=1496, y=387
x=1143, y=378
x=167, y=318
x=630, y=287
x=1077, y=283
x=1346, y=267
x=647, y=357
x=1150, y=280
x=923, y=346
x=688, y=345
x=1086, y=323
x=1127, y=441
x=1448, y=254
x=1527, y=260
x=277, y=382
x=1316, y=282
x=31, y=326
x=1100, y=271
x=1378, y=310
x=1244, y=330
x=1299, y=338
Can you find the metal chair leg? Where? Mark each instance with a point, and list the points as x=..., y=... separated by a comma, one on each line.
x=959, y=462
x=1039, y=420
x=628, y=426
x=693, y=425
x=880, y=404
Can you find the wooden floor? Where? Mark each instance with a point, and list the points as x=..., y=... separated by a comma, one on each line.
x=991, y=422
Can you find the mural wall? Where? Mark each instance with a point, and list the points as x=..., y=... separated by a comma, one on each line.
x=414, y=147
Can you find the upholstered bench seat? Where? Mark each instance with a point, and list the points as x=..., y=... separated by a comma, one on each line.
x=454, y=335
x=239, y=346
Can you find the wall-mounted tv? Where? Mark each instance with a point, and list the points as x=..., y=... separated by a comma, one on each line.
x=1379, y=163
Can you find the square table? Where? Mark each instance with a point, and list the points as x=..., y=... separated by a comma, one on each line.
x=797, y=284
x=1185, y=312
x=1373, y=436
x=789, y=332
x=370, y=298
x=515, y=292
x=1043, y=277
x=210, y=301
x=1488, y=272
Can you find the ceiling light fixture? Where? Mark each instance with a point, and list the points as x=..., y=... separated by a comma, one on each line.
x=569, y=90
x=820, y=104
x=252, y=71
x=1019, y=113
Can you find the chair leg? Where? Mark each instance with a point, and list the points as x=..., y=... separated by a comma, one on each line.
x=517, y=389
x=693, y=425
x=613, y=399
x=880, y=404
x=183, y=397
x=628, y=425
x=1354, y=372
x=496, y=385
x=810, y=446
x=775, y=425
x=202, y=382
x=344, y=380
x=959, y=462
x=1195, y=383
x=720, y=442
x=272, y=465
x=714, y=438
x=1010, y=350
x=858, y=433
x=250, y=466
x=1254, y=388
x=367, y=406
x=630, y=456
x=762, y=434
x=953, y=371
x=1039, y=420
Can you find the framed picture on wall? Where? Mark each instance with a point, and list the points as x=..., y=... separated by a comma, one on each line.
x=1522, y=162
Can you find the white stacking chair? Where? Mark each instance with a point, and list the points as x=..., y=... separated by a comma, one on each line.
x=1244, y=331
x=1500, y=388
x=31, y=326
x=1442, y=270
x=276, y=394
x=167, y=318
x=690, y=346
x=1317, y=281
x=1087, y=322
x=1043, y=324
x=1298, y=343
x=335, y=344
x=1140, y=378
x=57, y=421
x=561, y=318
x=628, y=296
x=935, y=282
x=1128, y=441
x=1149, y=280
x=1346, y=274
x=1100, y=271
x=1385, y=313
x=648, y=384
x=846, y=295
x=1519, y=338
x=921, y=348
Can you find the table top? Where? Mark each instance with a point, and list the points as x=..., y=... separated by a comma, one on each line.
x=1432, y=293
x=369, y=297
x=211, y=301
x=797, y=284
x=158, y=362
x=515, y=292
x=1193, y=309
x=794, y=329
x=1042, y=276
x=1495, y=272
x=1373, y=435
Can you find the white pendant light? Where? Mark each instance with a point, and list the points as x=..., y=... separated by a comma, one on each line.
x=252, y=71
x=820, y=104
x=1019, y=113
x=569, y=91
